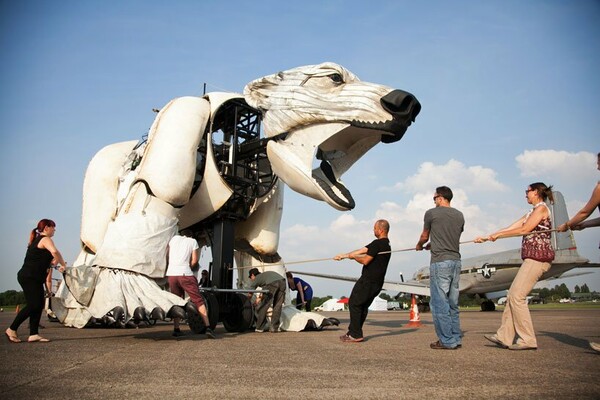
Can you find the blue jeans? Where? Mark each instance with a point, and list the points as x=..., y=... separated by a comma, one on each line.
x=445, y=276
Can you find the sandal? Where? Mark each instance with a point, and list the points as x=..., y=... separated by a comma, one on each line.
x=37, y=338
x=12, y=338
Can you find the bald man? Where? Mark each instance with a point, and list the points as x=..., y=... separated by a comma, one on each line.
x=374, y=258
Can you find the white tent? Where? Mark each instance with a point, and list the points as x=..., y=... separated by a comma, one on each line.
x=378, y=304
x=332, y=305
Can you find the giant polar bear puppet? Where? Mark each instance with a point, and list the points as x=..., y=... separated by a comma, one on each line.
x=318, y=120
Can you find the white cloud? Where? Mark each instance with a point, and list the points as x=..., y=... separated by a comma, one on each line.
x=453, y=174
x=346, y=232
x=343, y=223
x=300, y=229
x=557, y=164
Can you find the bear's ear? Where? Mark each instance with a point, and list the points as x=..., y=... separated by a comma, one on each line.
x=257, y=93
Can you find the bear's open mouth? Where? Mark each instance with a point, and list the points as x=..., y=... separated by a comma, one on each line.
x=313, y=159
x=333, y=187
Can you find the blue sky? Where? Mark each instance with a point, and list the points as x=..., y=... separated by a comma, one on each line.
x=509, y=90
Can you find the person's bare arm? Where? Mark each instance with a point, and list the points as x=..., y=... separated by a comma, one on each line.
x=577, y=222
x=194, y=258
x=522, y=226
x=48, y=244
x=590, y=223
x=513, y=229
x=49, y=282
x=422, y=239
x=301, y=291
x=359, y=255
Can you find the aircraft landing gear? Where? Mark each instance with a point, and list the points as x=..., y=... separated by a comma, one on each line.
x=212, y=308
x=488, y=305
x=240, y=316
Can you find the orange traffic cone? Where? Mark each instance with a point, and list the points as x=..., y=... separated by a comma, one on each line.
x=415, y=319
x=17, y=309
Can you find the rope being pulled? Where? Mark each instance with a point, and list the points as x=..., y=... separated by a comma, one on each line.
x=389, y=252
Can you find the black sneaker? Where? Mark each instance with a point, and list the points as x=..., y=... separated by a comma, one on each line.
x=210, y=334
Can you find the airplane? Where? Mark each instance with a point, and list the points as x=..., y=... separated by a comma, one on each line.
x=487, y=275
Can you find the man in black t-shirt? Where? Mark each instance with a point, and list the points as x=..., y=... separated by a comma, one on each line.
x=375, y=258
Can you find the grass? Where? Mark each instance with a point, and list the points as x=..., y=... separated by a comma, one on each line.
x=549, y=306
x=565, y=306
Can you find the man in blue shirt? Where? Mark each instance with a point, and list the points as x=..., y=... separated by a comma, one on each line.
x=305, y=292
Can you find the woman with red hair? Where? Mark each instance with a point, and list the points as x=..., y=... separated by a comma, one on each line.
x=41, y=251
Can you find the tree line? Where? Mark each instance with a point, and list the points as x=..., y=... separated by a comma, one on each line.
x=11, y=298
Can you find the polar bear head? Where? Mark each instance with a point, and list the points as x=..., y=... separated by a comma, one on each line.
x=324, y=119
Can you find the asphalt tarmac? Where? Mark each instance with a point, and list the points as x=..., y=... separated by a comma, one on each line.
x=148, y=363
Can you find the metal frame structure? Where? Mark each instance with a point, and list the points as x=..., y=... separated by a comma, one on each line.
x=242, y=162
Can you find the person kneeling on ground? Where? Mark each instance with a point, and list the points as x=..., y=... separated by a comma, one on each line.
x=275, y=284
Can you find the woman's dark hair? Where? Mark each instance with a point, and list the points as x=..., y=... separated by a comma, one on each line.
x=35, y=232
x=545, y=192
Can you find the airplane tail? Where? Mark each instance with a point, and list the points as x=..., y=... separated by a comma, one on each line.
x=560, y=240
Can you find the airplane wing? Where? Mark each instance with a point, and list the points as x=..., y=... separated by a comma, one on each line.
x=410, y=287
x=568, y=275
x=588, y=265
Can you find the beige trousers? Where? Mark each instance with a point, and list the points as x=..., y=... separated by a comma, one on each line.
x=516, y=320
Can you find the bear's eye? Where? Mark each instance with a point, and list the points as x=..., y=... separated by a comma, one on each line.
x=337, y=78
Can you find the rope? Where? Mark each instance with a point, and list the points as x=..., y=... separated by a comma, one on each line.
x=384, y=252
x=516, y=235
x=283, y=264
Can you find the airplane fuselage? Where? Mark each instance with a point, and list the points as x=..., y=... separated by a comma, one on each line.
x=496, y=272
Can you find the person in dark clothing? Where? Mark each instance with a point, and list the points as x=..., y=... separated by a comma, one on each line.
x=204, y=281
x=275, y=284
x=41, y=251
x=375, y=258
x=305, y=292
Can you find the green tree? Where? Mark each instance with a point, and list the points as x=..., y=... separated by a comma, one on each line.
x=385, y=296
x=545, y=294
x=318, y=301
x=585, y=288
x=466, y=300
x=577, y=289
x=11, y=298
x=562, y=291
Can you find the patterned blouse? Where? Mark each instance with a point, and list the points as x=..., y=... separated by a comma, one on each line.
x=538, y=246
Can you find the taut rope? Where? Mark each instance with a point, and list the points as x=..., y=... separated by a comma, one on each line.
x=385, y=252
